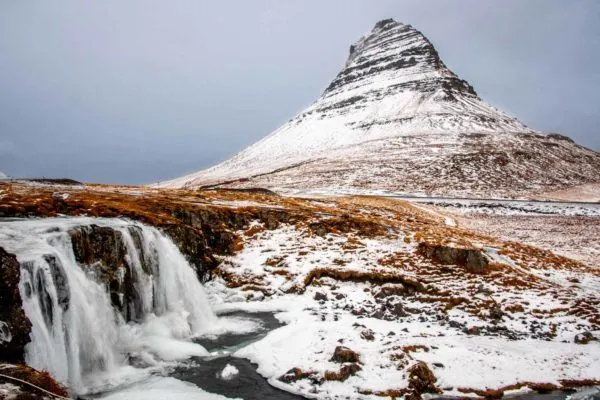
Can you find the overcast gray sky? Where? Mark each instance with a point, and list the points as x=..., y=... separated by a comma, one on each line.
x=136, y=91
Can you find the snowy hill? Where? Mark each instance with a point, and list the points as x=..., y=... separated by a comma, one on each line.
x=396, y=118
x=3, y=175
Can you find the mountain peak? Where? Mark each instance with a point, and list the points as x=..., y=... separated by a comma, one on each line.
x=386, y=24
x=396, y=118
x=396, y=52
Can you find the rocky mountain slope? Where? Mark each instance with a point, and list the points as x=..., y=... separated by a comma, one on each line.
x=396, y=118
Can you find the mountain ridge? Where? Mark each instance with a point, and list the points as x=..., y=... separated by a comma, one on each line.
x=393, y=86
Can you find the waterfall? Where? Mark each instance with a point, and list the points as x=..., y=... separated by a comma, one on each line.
x=77, y=333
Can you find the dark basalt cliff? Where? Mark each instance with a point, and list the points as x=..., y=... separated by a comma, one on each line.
x=14, y=325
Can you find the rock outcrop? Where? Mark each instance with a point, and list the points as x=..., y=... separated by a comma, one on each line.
x=472, y=259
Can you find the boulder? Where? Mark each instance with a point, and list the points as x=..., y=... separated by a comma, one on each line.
x=421, y=379
x=320, y=296
x=584, y=338
x=389, y=289
x=343, y=354
x=472, y=259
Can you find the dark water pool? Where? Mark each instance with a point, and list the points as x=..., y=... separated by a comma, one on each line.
x=248, y=384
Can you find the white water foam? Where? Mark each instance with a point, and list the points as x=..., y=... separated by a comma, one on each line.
x=76, y=332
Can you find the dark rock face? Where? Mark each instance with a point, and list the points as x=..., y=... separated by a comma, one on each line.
x=473, y=260
x=15, y=325
x=205, y=233
x=193, y=245
x=103, y=251
x=60, y=281
x=95, y=244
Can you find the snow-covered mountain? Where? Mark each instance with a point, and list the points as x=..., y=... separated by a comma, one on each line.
x=396, y=118
x=3, y=175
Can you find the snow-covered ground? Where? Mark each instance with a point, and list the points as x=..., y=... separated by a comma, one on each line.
x=474, y=331
x=355, y=272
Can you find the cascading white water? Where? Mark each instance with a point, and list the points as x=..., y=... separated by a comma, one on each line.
x=76, y=333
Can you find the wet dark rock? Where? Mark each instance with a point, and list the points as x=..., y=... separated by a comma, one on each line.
x=472, y=259
x=44, y=299
x=205, y=233
x=60, y=281
x=16, y=326
x=193, y=244
x=96, y=244
x=343, y=354
x=102, y=251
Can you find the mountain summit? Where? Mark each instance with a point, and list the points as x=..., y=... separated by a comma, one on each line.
x=396, y=118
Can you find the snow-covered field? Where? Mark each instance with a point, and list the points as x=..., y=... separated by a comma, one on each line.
x=480, y=332
x=380, y=297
